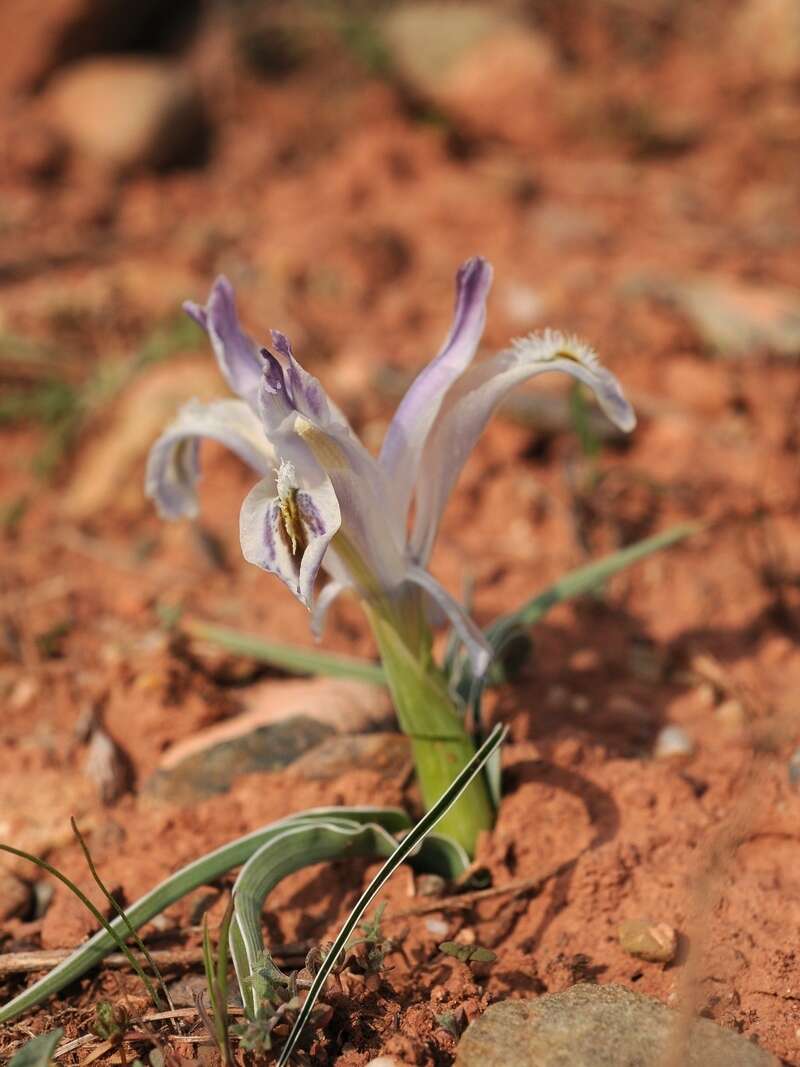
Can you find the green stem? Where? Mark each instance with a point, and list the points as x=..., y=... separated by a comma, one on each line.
x=440, y=745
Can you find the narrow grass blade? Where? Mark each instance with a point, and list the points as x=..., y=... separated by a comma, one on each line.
x=115, y=936
x=508, y=628
x=199, y=872
x=290, y=658
x=217, y=982
x=140, y=944
x=401, y=852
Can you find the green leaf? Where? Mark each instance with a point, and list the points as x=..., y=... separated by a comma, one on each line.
x=291, y=658
x=508, y=629
x=401, y=852
x=467, y=953
x=199, y=872
x=38, y=1051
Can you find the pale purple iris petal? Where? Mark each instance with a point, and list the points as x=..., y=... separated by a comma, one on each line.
x=472, y=400
x=368, y=534
x=172, y=466
x=404, y=443
x=478, y=648
x=288, y=535
x=237, y=354
x=322, y=604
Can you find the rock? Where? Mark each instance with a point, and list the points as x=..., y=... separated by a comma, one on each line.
x=282, y=722
x=479, y=64
x=733, y=318
x=127, y=112
x=589, y=1025
x=389, y=754
x=672, y=741
x=212, y=770
x=655, y=942
x=46, y=35
x=765, y=35
x=15, y=895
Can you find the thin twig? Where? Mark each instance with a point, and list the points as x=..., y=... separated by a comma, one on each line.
x=459, y=901
x=26, y=962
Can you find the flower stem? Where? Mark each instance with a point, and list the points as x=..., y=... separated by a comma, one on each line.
x=440, y=745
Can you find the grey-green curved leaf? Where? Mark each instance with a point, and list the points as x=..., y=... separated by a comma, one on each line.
x=199, y=872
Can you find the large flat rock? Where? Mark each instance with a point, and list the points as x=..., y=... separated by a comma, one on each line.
x=600, y=1026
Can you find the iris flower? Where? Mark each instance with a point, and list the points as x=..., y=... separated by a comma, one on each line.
x=325, y=503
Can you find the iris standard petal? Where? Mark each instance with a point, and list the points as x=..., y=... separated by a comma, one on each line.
x=478, y=648
x=472, y=400
x=173, y=464
x=288, y=532
x=403, y=445
x=237, y=354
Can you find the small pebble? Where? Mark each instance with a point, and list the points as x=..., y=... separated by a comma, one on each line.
x=386, y=1061
x=437, y=927
x=672, y=741
x=646, y=940
x=430, y=885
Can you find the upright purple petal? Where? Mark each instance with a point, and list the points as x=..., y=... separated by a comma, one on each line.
x=471, y=402
x=405, y=439
x=237, y=354
x=173, y=466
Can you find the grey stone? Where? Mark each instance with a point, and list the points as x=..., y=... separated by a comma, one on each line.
x=390, y=754
x=672, y=741
x=590, y=1026
x=212, y=770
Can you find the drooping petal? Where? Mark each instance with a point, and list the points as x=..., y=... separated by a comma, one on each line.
x=289, y=532
x=172, y=466
x=471, y=402
x=237, y=354
x=478, y=648
x=405, y=439
x=368, y=545
x=322, y=604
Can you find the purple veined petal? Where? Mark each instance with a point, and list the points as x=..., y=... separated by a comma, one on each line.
x=322, y=604
x=172, y=466
x=237, y=354
x=471, y=402
x=368, y=546
x=287, y=533
x=404, y=443
x=306, y=393
x=478, y=648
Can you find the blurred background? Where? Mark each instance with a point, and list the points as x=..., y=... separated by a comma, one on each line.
x=631, y=169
